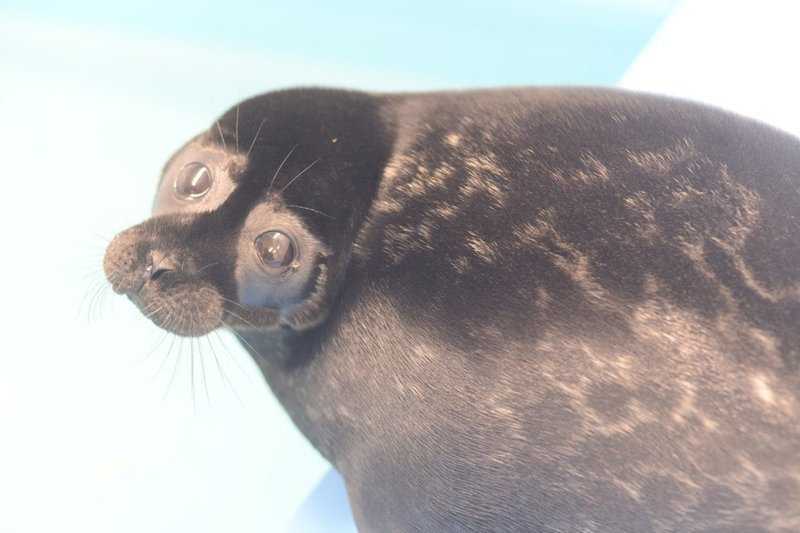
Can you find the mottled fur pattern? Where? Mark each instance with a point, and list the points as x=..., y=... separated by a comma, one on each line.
x=537, y=310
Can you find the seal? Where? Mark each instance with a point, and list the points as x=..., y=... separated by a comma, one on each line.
x=545, y=309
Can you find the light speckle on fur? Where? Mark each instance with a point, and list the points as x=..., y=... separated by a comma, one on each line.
x=461, y=264
x=762, y=390
x=483, y=250
x=453, y=139
x=593, y=172
x=663, y=161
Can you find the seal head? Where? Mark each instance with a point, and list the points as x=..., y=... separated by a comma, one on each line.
x=254, y=219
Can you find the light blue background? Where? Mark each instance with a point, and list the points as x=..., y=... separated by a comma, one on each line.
x=98, y=436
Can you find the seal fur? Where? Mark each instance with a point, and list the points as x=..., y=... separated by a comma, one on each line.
x=522, y=310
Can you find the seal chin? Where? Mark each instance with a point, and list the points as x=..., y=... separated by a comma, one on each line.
x=187, y=309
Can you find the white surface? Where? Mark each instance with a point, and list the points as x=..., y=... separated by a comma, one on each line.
x=737, y=55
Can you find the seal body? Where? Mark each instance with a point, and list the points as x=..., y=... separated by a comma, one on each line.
x=520, y=310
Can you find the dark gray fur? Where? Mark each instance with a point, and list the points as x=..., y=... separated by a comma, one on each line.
x=530, y=310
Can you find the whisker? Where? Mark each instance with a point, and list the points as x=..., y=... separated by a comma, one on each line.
x=221, y=136
x=256, y=137
x=169, y=324
x=196, y=341
x=166, y=357
x=169, y=321
x=244, y=341
x=147, y=308
x=207, y=266
x=88, y=272
x=269, y=189
x=93, y=293
x=242, y=319
x=232, y=356
x=99, y=299
x=237, y=127
x=222, y=373
x=91, y=254
x=151, y=310
x=191, y=374
x=94, y=235
x=234, y=302
x=174, y=370
x=164, y=336
x=203, y=372
x=311, y=209
x=157, y=345
x=240, y=306
x=300, y=174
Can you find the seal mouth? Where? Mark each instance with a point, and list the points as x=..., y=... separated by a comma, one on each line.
x=190, y=309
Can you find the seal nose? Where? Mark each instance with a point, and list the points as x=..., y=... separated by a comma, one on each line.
x=129, y=265
x=157, y=265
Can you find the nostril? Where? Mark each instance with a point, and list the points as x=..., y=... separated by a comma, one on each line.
x=156, y=273
x=159, y=265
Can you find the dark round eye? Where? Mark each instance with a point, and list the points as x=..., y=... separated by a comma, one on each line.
x=193, y=181
x=275, y=249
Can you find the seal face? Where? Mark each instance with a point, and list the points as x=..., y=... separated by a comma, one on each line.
x=230, y=242
x=519, y=310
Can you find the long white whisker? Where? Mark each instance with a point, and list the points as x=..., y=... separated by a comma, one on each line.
x=256, y=137
x=94, y=294
x=269, y=189
x=242, y=319
x=151, y=310
x=202, y=362
x=244, y=341
x=234, y=302
x=300, y=174
x=156, y=346
x=221, y=136
x=174, y=370
x=222, y=373
x=311, y=209
x=207, y=266
x=191, y=375
x=166, y=357
x=237, y=127
x=236, y=360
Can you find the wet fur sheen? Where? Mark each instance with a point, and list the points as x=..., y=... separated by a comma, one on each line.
x=537, y=310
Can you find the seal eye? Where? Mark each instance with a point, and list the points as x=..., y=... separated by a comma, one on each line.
x=193, y=181
x=275, y=249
